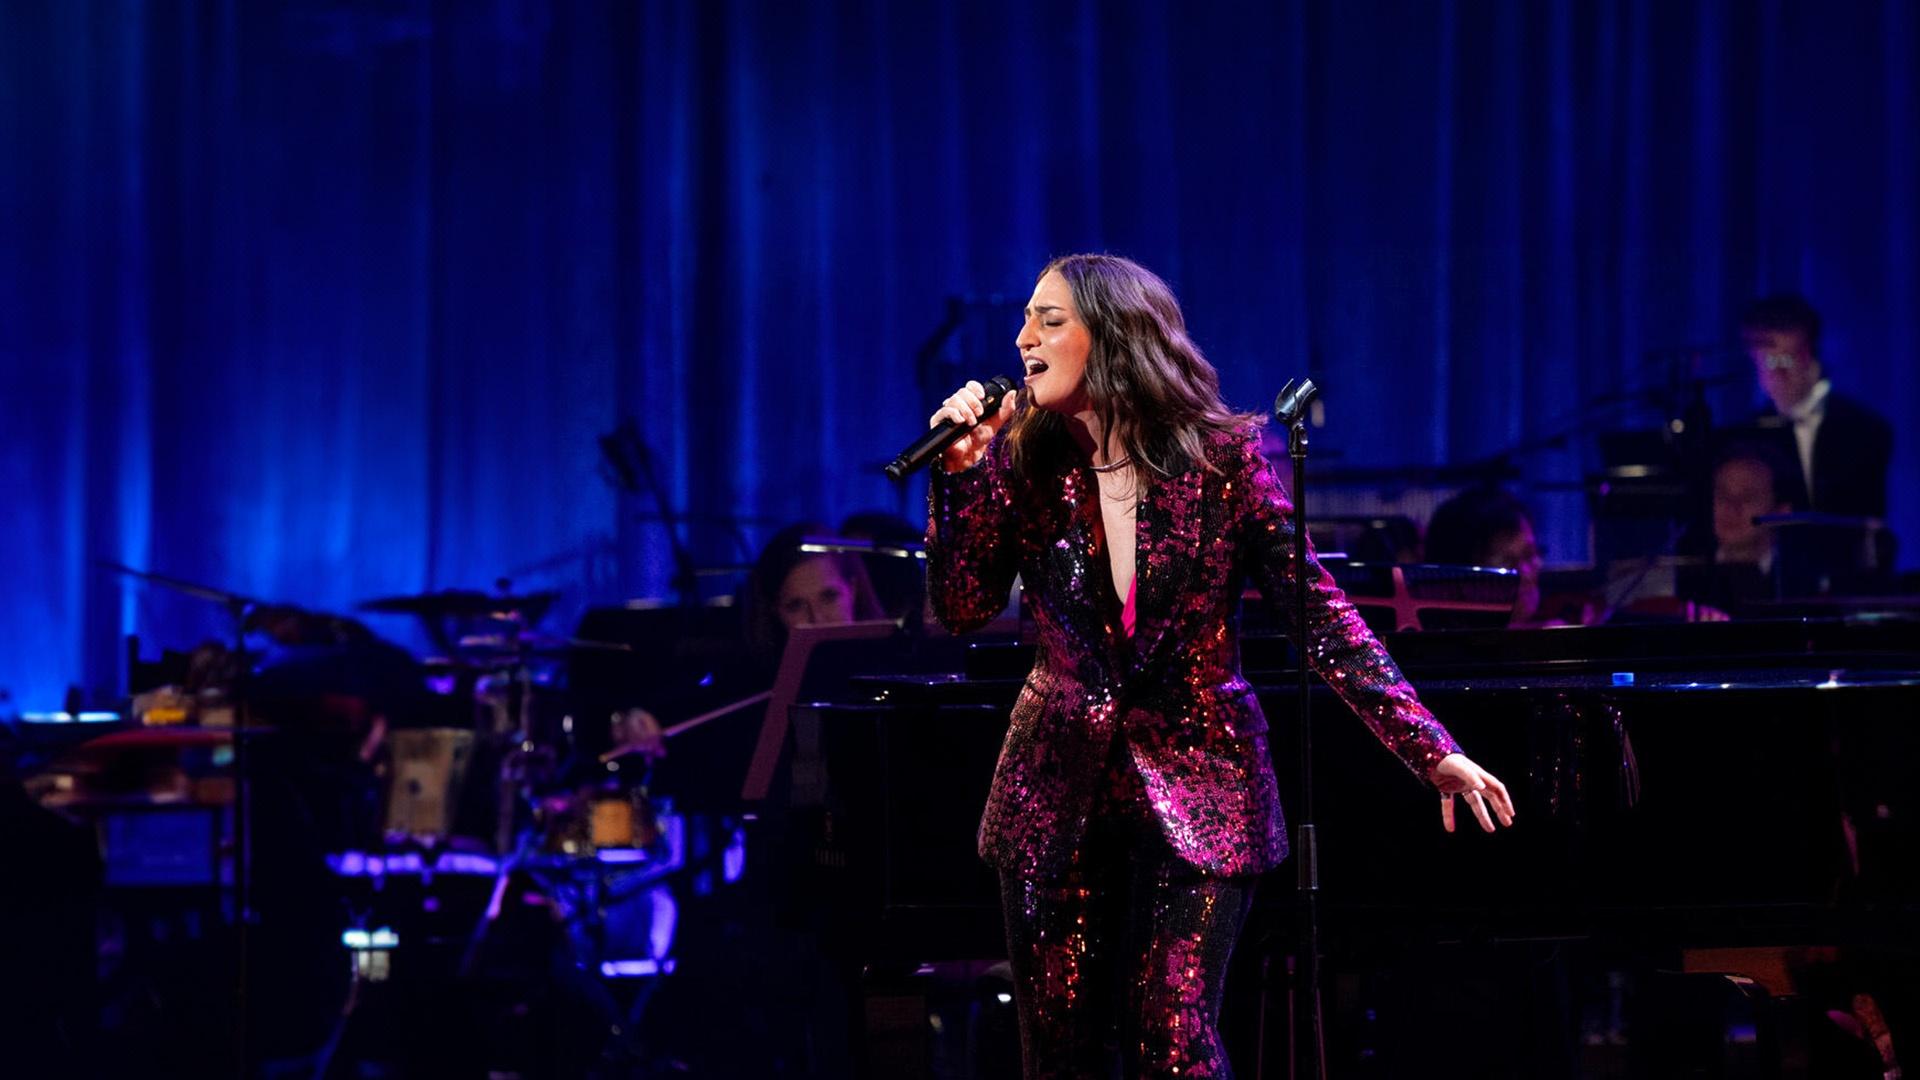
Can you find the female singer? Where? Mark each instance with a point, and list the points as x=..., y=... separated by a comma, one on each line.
x=1134, y=803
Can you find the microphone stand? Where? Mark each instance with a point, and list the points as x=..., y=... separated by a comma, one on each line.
x=631, y=460
x=1290, y=408
x=237, y=608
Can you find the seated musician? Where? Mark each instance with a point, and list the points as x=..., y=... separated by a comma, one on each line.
x=1489, y=526
x=326, y=673
x=1747, y=483
x=788, y=587
x=791, y=587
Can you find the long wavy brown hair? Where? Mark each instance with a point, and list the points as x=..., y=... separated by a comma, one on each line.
x=1154, y=392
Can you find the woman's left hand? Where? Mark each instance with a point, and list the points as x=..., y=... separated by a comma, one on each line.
x=1457, y=775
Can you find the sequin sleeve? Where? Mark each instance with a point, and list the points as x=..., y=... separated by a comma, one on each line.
x=1342, y=650
x=971, y=550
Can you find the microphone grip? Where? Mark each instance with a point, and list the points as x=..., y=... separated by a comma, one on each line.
x=944, y=434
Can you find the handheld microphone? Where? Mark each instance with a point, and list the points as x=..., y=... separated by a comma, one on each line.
x=944, y=434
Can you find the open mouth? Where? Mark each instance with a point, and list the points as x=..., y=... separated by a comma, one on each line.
x=1035, y=367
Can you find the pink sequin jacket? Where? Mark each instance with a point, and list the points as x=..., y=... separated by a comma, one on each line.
x=1193, y=728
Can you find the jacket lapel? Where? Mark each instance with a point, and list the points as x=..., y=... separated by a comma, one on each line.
x=1090, y=615
x=1166, y=549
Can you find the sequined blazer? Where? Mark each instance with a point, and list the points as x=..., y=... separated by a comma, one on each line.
x=1173, y=692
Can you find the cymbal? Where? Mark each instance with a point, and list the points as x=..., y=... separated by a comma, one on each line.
x=464, y=604
x=531, y=644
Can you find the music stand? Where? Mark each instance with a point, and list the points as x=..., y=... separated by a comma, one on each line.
x=788, y=684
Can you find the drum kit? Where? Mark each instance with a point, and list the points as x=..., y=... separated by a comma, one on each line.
x=515, y=754
x=488, y=707
x=473, y=757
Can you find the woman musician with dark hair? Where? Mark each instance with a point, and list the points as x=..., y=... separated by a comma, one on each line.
x=1134, y=803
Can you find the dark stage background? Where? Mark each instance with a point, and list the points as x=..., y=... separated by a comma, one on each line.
x=322, y=300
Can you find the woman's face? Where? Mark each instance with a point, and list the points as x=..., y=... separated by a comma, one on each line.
x=1054, y=344
x=815, y=594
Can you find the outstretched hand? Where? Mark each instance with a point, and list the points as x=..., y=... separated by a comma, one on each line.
x=1458, y=776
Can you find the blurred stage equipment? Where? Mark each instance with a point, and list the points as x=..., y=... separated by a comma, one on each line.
x=627, y=463
x=238, y=607
x=452, y=614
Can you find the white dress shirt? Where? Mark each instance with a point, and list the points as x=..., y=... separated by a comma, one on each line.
x=1806, y=418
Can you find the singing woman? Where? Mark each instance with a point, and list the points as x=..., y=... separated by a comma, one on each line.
x=1134, y=803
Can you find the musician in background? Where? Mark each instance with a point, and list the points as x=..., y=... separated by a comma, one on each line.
x=1746, y=485
x=1134, y=803
x=1735, y=562
x=1842, y=446
x=791, y=587
x=326, y=673
x=1489, y=526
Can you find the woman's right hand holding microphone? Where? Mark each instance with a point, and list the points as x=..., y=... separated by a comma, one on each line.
x=967, y=407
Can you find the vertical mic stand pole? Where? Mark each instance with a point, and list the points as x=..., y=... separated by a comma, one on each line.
x=242, y=837
x=1291, y=409
x=686, y=583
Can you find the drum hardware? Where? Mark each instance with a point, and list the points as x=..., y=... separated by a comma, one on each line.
x=223, y=597
x=466, y=604
x=607, y=851
x=428, y=767
x=504, y=713
x=512, y=734
x=482, y=648
x=450, y=614
x=593, y=820
x=518, y=735
x=499, y=666
x=524, y=768
x=609, y=810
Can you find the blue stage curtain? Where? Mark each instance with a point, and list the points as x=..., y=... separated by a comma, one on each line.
x=321, y=300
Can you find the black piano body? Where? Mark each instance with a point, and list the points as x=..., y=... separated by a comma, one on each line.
x=1684, y=786
x=1714, y=781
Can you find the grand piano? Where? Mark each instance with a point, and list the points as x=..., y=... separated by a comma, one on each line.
x=1681, y=788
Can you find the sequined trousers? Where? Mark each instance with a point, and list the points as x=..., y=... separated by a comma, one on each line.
x=1122, y=958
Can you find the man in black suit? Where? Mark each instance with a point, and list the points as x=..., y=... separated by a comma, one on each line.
x=1842, y=445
